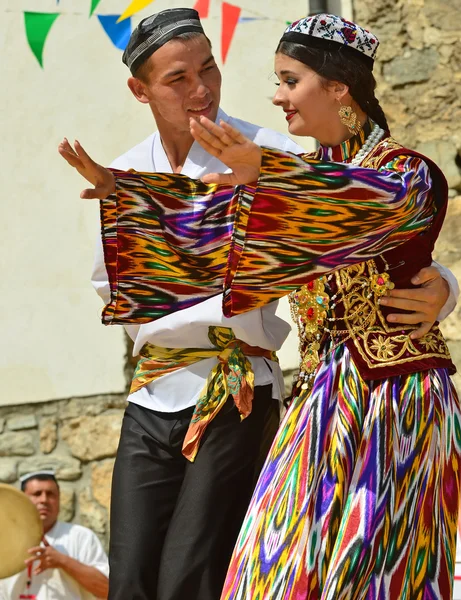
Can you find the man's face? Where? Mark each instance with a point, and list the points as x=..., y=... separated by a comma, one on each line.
x=183, y=81
x=45, y=496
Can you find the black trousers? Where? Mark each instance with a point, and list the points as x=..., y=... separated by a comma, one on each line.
x=174, y=523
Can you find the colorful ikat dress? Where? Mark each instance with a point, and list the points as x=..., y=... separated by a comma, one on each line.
x=358, y=498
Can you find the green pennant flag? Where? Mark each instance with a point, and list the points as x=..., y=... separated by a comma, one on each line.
x=94, y=4
x=38, y=26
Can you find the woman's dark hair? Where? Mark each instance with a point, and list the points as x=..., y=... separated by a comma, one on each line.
x=341, y=66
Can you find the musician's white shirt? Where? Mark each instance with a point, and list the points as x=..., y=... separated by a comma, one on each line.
x=54, y=584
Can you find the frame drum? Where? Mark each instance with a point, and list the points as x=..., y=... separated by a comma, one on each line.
x=20, y=529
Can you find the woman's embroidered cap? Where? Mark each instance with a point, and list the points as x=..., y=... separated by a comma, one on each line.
x=333, y=33
x=155, y=31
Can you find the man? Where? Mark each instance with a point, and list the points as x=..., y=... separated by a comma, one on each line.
x=174, y=522
x=70, y=564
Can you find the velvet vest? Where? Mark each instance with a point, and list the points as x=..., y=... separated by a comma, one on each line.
x=381, y=349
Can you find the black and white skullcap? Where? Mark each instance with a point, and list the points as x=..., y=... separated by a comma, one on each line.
x=155, y=31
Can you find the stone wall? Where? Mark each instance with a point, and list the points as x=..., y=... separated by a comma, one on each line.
x=419, y=86
x=419, y=74
x=78, y=438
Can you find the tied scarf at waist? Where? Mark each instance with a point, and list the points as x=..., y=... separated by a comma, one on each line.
x=233, y=375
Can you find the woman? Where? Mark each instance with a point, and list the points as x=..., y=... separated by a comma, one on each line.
x=359, y=495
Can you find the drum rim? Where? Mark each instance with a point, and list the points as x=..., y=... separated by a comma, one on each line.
x=32, y=521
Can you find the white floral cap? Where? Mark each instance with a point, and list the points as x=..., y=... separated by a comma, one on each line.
x=332, y=33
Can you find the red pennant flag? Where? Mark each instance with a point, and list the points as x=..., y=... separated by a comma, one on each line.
x=230, y=18
x=202, y=7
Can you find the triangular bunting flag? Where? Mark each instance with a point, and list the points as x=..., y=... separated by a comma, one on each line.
x=119, y=33
x=246, y=19
x=94, y=4
x=134, y=7
x=202, y=7
x=230, y=18
x=38, y=27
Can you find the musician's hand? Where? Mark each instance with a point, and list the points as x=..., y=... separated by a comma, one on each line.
x=425, y=302
x=47, y=557
x=102, y=179
x=231, y=147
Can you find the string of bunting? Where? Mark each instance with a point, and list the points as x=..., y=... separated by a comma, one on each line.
x=119, y=27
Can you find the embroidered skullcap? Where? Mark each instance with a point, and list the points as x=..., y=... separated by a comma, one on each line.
x=333, y=33
x=155, y=31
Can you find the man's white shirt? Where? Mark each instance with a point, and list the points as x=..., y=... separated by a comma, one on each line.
x=55, y=584
x=189, y=328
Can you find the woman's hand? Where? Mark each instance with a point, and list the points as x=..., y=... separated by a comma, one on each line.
x=102, y=179
x=231, y=147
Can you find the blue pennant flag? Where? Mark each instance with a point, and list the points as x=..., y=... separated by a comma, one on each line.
x=245, y=19
x=119, y=33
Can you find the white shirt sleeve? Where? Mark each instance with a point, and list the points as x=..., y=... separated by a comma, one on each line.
x=99, y=276
x=91, y=552
x=293, y=147
x=3, y=590
x=450, y=304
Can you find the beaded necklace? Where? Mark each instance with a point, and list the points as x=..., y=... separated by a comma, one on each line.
x=371, y=141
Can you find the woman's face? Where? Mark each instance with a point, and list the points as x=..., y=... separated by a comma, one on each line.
x=310, y=107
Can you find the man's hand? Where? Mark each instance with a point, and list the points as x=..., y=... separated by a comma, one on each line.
x=48, y=557
x=231, y=147
x=425, y=302
x=102, y=179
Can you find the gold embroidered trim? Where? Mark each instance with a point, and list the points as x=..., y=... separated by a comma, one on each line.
x=377, y=157
x=309, y=306
x=378, y=343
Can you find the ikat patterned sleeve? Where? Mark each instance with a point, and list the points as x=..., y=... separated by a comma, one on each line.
x=171, y=242
x=166, y=240
x=306, y=218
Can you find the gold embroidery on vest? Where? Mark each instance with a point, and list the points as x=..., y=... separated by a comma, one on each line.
x=377, y=157
x=379, y=343
x=309, y=306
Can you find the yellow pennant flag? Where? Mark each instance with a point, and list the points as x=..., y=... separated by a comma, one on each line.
x=134, y=7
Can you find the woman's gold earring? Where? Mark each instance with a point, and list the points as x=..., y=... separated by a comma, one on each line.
x=349, y=118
